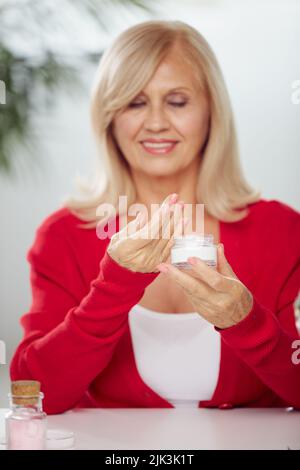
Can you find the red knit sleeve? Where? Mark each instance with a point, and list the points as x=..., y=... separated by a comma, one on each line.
x=266, y=339
x=69, y=340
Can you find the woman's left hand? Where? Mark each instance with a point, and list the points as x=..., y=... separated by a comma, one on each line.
x=217, y=295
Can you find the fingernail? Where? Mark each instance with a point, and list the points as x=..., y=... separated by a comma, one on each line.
x=192, y=261
x=163, y=268
x=173, y=198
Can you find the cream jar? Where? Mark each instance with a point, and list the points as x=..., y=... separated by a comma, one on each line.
x=201, y=246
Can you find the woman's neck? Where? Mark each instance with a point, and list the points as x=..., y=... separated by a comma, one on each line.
x=154, y=189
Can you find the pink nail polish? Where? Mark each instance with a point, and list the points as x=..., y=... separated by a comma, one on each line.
x=173, y=198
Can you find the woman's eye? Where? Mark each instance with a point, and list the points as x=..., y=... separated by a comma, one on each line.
x=179, y=104
x=137, y=105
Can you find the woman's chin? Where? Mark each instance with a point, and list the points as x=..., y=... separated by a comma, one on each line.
x=162, y=169
x=160, y=173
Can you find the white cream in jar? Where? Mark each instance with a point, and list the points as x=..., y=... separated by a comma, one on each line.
x=201, y=246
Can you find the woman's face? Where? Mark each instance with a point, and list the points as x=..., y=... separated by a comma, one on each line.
x=171, y=107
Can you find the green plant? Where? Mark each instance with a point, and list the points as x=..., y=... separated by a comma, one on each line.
x=30, y=59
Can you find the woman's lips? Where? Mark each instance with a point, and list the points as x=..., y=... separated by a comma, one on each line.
x=158, y=149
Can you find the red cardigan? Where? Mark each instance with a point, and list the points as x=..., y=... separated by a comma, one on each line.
x=77, y=340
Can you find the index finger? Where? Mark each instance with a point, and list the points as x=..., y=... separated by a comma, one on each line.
x=152, y=228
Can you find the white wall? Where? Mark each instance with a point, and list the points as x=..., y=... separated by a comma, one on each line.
x=256, y=43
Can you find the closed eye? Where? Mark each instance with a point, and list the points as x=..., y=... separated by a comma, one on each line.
x=180, y=105
x=138, y=105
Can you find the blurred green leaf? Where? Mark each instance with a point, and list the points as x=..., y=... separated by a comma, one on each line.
x=29, y=61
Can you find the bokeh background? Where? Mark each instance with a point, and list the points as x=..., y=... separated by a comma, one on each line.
x=49, y=52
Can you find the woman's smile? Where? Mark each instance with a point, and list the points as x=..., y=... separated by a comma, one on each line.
x=159, y=146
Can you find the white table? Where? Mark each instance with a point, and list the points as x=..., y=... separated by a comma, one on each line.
x=184, y=428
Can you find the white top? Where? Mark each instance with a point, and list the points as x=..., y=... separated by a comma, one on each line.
x=177, y=354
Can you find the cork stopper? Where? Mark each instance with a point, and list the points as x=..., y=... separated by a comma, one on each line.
x=25, y=392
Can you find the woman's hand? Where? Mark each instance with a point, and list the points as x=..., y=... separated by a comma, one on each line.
x=217, y=295
x=141, y=245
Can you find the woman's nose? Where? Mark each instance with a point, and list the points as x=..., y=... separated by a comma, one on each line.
x=156, y=120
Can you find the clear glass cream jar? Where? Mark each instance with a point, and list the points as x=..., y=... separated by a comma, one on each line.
x=201, y=246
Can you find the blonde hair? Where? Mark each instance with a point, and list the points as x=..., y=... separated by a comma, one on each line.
x=124, y=70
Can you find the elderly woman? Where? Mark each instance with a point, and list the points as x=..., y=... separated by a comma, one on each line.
x=112, y=322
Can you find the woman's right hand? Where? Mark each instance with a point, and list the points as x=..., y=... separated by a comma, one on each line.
x=141, y=245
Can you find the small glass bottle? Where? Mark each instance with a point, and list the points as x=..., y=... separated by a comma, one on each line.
x=26, y=423
x=201, y=246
